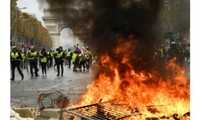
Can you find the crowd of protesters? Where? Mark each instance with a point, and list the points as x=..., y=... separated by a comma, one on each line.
x=181, y=53
x=79, y=59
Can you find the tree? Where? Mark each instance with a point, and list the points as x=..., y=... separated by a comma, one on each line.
x=26, y=29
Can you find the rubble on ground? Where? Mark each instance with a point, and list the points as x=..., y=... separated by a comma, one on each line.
x=15, y=116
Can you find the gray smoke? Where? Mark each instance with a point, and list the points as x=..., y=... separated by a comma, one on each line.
x=113, y=18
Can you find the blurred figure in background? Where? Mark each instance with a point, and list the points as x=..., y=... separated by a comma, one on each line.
x=88, y=55
x=69, y=57
x=15, y=62
x=49, y=58
x=43, y=61
x=33, y=57
x=82, y=60
x=75, y=60
x=59, y=56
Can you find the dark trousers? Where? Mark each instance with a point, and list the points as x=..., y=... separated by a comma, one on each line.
x=33, y=65
x=82, y=64
x=87, y=64
x=59, y=64
x=69, y=61
x=50, y=62
x=13, y=66
x=76, y=64
x=44, y=70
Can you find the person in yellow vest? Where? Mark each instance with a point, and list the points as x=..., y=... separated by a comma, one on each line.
x=49, y=58
x=59, y=55
x=15, y=62
x=161, y=55
x=32, y=57
x=43, y=61
x=82, y=60
x=23, y=59
x=88, y=55
x=69, y=57
x=75, y=60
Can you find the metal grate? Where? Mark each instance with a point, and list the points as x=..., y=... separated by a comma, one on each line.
x=116, y=111
x=98, y=111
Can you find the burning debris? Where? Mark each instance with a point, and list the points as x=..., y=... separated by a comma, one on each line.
x=113, y=111
x=123, y=35
x=152, y=94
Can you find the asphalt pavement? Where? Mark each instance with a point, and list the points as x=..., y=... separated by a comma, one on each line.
x=24, y=93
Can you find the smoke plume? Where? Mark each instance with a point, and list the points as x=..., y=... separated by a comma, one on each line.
x=113, y=19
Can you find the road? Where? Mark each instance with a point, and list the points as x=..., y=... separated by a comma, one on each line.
x=71, y=84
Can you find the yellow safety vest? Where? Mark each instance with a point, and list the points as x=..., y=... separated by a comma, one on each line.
x=69, y=54
x=14, y=56
x=50, y=54
x=161, y=53
x=44, y=59
x=74, y=57
x=59, y=55
x=23, y=56
x=33, y=55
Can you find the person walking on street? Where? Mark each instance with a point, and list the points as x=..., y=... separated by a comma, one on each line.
x=49, y=58
x=43, y=61
x=59, y=56
x=32, y=57
x=69, y=57
x=88, y=55
x=55, y=59
x=75, y=60
x=15, y=62
x=23, y=59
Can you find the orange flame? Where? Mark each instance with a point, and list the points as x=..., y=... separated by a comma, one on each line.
x=170, y=95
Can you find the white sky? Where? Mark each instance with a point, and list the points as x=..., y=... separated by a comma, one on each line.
x=32, y=7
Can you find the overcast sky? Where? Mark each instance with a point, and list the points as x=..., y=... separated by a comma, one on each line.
x=32, y=7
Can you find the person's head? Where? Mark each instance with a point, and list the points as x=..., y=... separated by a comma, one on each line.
x=173, y=44
x=14, y=48
x=69, y=49
x=60, y=48
x=32, y=48
x=43, y=50
x=87, y=48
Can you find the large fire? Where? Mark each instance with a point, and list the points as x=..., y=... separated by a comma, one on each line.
x=141, y=90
